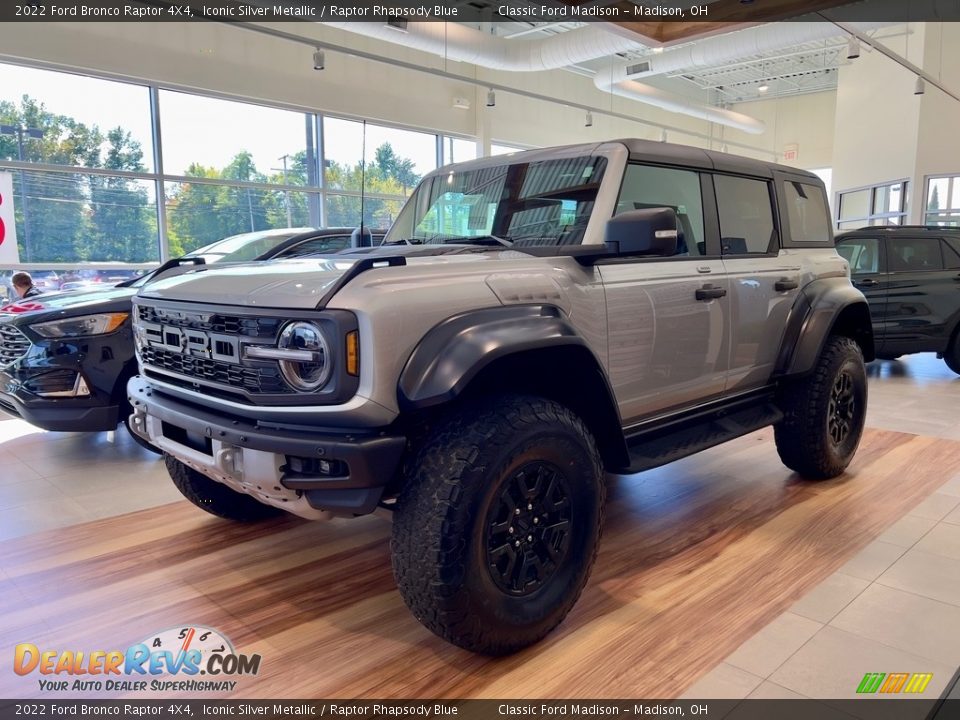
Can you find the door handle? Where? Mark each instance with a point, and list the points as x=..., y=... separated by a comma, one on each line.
x=709, y=292
x=867, y=282
x=784, y=284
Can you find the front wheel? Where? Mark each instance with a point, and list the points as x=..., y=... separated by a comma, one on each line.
x=498, y=524
x=824, y=413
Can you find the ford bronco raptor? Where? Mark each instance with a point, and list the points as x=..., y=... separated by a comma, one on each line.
x=529, y=323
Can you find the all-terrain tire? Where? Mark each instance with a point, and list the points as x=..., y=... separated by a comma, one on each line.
x=216, y=498
x=498, y=523
x=824, y=413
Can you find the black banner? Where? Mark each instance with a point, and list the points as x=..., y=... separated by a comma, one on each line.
x=397, y=12
x=483, y=709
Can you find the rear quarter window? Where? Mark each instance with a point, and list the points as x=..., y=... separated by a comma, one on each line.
x=807, y=213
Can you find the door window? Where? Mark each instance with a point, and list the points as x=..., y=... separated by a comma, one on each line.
x=914, y=254
x=951, y=258
x=806, y=212
x=645, y=186
x=863, y=254
x=746, y=216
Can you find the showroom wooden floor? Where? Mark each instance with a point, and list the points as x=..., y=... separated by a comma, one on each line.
x=696, y=557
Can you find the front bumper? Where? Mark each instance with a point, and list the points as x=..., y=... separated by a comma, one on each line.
x=84, y=414
x=311, y=474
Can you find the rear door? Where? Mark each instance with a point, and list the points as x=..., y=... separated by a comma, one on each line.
x=922, y=293
x=764, y=281
x=868, y=271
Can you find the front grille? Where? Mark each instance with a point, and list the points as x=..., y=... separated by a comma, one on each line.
x=252, y=327
x=250, y=379
x=13, y=344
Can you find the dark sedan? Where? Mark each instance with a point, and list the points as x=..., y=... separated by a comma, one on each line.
x=65, y=357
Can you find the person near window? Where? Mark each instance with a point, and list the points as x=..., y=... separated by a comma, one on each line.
x=23, y=285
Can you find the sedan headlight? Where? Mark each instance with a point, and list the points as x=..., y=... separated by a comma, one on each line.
x=99, y=324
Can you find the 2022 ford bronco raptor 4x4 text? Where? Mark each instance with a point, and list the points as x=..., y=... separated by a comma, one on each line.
x=529, y=323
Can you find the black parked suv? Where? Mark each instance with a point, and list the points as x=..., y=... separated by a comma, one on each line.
x=911, y=278
x=66, y=357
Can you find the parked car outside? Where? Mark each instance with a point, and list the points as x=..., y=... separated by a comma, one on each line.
x=910, y=276
x=65, y=357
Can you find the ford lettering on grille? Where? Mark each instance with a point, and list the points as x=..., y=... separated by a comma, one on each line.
x=188, y=341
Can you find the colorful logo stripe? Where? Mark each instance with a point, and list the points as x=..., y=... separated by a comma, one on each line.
x=894, y=683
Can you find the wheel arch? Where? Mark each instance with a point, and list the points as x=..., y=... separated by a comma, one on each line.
x=825, y=307
x=529, y=349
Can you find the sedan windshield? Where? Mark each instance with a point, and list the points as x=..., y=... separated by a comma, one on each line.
x=520, y=204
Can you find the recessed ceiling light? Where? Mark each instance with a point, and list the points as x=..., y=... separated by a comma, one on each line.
x=763, y=88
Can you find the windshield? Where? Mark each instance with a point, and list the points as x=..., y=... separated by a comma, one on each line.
x=534, y=203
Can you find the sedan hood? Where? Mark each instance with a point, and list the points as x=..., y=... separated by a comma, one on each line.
x=72, y=303
x=294, y=284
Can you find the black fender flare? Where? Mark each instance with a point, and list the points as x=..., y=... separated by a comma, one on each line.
x=451, y=353
x=823, y=307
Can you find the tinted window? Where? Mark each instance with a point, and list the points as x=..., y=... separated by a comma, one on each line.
x=317, y=246
x=914, y=254
x=653, y=187
x=863, y=254
x=807, y=213
x=746, y=218
x=951, y=258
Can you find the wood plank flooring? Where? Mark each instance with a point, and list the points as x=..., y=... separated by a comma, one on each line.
x=696, y=557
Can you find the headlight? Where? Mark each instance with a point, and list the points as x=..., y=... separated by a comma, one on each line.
x=303, y=355
x=79, y=326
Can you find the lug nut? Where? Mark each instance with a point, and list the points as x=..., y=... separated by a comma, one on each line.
x=529, y=538
x=529, y=506
x=517, y=543
x=536, y=520
x=510, y=530
x=517, y=511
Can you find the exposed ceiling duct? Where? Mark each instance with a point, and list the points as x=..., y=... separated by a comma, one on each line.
x=464, y=44
x=714, y=51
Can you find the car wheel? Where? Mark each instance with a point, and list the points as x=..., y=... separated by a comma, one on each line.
x=824, y=413
x=497, y=526
x=216, y=498
x=952, y=355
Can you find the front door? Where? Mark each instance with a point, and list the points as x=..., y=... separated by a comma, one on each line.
x=667, y=317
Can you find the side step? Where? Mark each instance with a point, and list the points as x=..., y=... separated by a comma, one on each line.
x=662, y=445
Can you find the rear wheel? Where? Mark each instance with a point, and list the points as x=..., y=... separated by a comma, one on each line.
x=497, y=527
x=952, y=355
x=824, y=413
x=216, y=498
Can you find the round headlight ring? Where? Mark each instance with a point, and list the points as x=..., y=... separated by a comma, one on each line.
x=300, y=375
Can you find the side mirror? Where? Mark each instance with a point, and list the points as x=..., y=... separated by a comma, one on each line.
x=650, y=231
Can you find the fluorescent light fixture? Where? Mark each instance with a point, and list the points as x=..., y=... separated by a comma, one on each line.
x=491, y=98
x=588, y=122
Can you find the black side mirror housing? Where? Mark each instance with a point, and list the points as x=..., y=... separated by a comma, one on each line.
x=650, y=231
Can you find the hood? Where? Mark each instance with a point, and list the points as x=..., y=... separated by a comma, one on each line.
x=73, y=303
x=292, y=284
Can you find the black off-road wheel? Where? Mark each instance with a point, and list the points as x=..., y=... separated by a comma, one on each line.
x=216, y=498
x=498, y=524
x=824, y=413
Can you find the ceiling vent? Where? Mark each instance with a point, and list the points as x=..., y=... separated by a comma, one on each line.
x=637, y=68
x=397, y=24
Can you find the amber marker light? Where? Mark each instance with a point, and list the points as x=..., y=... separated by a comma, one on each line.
x=353, y=353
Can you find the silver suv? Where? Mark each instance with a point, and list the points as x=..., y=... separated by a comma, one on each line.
x=529, y=323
